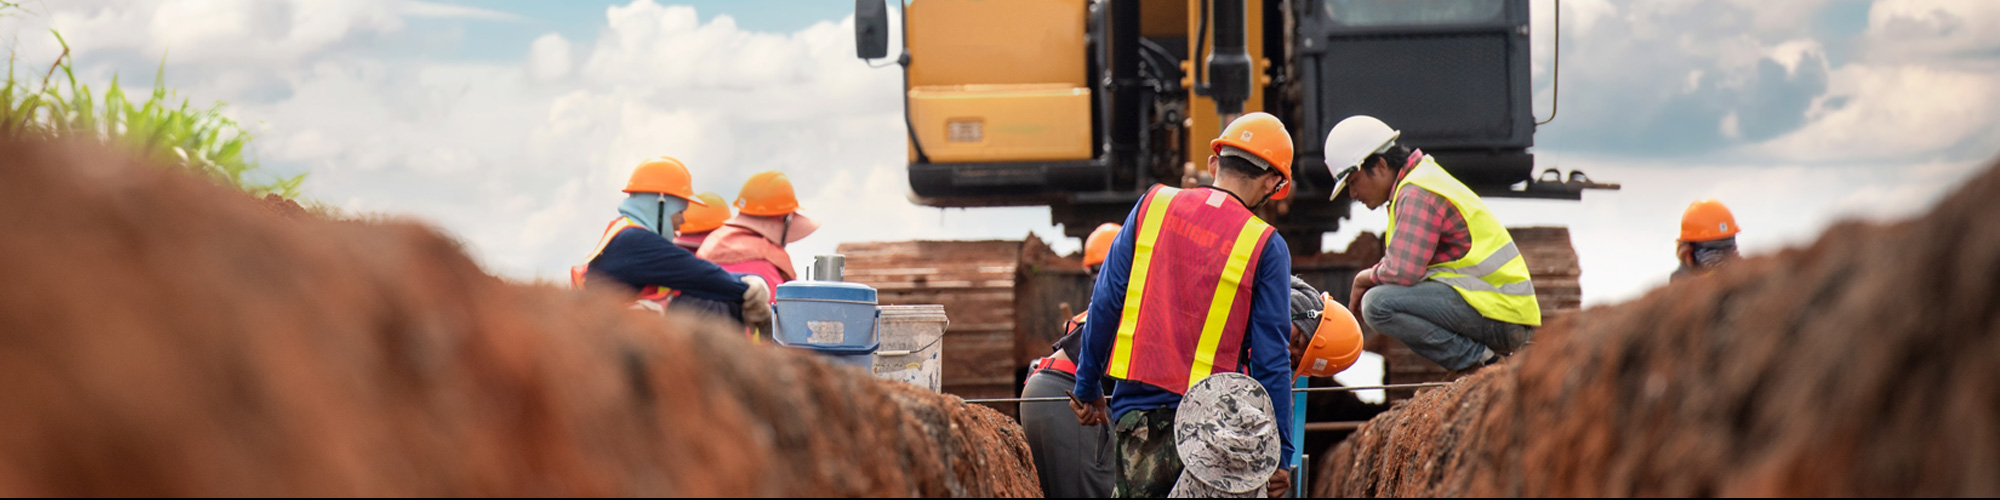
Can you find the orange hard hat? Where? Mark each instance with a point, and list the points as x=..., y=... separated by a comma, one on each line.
x=664, y=175
x=1264, y=137
x=1335, y=345
x=707, y=216
x=1098, y=245
x=767, y=193
x=1707, y=220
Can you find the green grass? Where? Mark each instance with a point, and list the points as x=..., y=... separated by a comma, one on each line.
x=200, y=141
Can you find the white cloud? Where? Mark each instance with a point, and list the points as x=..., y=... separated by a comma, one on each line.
x=549, y=57
x=1933, y=30
x=523, y=158
x=1892, y=111
x=446, y=11
x=1794, y=52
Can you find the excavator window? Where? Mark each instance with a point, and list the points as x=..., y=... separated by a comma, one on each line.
x=1410, y=12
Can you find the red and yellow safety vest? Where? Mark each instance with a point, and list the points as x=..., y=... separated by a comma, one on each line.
x=1187, y=303
x=578, y=273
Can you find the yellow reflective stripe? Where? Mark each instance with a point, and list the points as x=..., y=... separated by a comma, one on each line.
x=1135, y=287
x=610, y=233
x=1225, y=297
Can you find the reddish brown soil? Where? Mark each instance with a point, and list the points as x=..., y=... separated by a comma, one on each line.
x=160, y=336
x=1863, y=365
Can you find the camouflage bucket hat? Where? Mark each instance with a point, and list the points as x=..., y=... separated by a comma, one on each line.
x=1226, y=433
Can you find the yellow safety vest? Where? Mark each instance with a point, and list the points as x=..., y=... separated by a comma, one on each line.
x=580, y=273
x=1492, y=276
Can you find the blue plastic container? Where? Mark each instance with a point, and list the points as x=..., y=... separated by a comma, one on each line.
x=858, y=358
x=831, y=317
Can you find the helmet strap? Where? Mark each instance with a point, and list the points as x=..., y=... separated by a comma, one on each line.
x=1267, y=196
x=660, y=215
x=786, y=233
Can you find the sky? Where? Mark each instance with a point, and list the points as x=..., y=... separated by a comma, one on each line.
x=512, y=124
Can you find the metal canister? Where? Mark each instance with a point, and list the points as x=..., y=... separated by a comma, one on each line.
x=829, y=267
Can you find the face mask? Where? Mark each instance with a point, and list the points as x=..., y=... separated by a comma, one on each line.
x=654, y=211
x=1709, y=254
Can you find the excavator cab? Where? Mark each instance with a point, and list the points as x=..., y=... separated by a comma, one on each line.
x=1082, y=105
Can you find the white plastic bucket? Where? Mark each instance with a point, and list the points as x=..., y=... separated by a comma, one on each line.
x=912, y=344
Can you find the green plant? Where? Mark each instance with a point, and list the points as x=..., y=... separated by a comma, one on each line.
x=201, y=141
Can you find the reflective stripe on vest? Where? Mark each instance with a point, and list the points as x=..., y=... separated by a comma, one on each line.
x=1492, y=276
x=578, y=273
x=1187, y=302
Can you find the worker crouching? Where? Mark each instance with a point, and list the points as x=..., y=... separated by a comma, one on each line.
x=1451, y=284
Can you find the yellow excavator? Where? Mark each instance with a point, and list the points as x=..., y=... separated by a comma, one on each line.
x=1081, y=105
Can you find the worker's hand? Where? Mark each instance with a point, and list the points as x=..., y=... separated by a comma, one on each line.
x=756, y=301
x=1281, y=483
x=1362, y=282
x=1096, y=412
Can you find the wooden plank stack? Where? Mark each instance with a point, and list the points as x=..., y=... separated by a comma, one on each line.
x=974, y=280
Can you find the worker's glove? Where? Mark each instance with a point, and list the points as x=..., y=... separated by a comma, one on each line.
x=756, y=301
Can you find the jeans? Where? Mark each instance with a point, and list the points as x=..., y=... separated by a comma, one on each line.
x=1437, y=323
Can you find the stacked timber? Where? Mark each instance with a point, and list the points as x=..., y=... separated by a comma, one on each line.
x=974, y=280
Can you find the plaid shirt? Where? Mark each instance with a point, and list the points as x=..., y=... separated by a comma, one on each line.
x=1429, y=230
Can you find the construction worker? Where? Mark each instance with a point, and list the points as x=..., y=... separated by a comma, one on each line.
x=702, y=218
x=1195, y=284
x=1451, y=283
x=1072, y=460
x=754, y=240
x=636, y=252
x=1708, y=239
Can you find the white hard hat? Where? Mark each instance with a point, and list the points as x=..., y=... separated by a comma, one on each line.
x=1351, y=141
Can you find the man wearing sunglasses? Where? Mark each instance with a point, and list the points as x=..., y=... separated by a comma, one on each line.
x=1195, y=284
x=1451, y=284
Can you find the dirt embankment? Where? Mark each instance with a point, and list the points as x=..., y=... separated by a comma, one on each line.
x=1863, y=365
x=159, y=336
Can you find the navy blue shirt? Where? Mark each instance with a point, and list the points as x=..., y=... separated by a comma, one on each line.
x=640, y=258
x=1268, y=337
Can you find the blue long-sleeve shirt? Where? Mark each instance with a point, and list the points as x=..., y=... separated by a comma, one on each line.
x=639, y=258
x=1268, y=337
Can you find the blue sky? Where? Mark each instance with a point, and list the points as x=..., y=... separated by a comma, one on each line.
x=510, y=124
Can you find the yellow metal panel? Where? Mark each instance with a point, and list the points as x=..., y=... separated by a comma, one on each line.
x=1002, y=123
x=1202, y=109
x=982, y=42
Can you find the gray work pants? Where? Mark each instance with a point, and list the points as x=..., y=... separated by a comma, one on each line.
x=1436, y=322
x=1072, y=460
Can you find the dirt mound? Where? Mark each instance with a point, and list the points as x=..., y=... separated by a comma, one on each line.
x=1864, y=365
x=279, y=206
x=159, y=336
